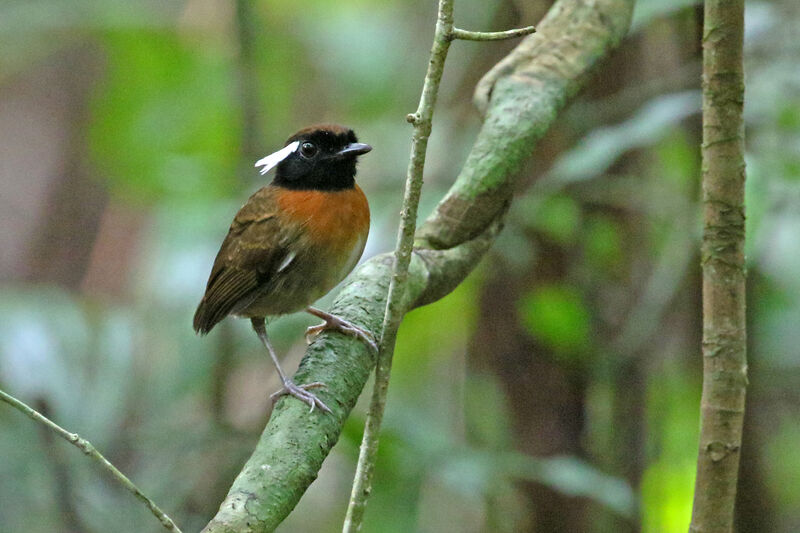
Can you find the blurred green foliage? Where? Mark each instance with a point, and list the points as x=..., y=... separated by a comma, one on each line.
x=166, y=126
x=557, y=315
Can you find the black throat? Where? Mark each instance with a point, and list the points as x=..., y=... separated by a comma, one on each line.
x=322, y=175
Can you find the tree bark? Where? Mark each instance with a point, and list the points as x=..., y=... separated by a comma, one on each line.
x=521, y=98
x=724, y=333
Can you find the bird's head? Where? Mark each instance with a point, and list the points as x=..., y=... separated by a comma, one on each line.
x=321, y=157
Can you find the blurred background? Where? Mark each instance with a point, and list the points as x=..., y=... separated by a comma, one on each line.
x=556, y=390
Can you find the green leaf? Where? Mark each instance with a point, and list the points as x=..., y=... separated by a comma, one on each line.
x=679, y=161
x=557, y=216
x=557, y=316
x=486, y=412
x=603, y=243
x=575, y=477
x=597, y=151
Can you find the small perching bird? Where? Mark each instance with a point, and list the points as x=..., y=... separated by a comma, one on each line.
x=292, y=242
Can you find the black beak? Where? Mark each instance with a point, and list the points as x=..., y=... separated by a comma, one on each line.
x=353, y=149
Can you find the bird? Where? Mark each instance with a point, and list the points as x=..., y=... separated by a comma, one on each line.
x=292, y=242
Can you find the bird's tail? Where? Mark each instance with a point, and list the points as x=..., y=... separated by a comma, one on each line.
x=204, y=321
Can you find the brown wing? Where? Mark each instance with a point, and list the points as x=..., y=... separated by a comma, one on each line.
x=251, y=253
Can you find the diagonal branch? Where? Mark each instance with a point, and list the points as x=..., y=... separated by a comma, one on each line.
x=521, y=102
x=89, y=450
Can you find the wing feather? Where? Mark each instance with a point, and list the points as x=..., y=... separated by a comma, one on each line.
x=251, y=254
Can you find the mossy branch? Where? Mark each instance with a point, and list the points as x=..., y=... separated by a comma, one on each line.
x=522, y=100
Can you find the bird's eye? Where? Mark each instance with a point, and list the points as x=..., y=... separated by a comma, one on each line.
x=308, y=149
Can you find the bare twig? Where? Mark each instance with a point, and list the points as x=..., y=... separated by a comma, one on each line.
x=88, y=449
x=724, y=332
x=467, y=35
x=396, y=303
x=63, y=490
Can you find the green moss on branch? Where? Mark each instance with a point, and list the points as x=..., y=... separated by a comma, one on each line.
x=295, y=442
x=521, y=98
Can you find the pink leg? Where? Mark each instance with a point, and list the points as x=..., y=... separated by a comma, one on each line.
x=339, y=324
x=289, y=387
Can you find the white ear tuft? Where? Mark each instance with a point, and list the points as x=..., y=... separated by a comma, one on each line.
x=273, y=159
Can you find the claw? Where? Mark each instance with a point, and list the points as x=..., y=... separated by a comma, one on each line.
x=343, y=326
x=301, y=393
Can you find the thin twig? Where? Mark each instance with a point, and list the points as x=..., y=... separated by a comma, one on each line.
x=69, y=518
x=88, y=449
x=466, y=35
x=395, y=304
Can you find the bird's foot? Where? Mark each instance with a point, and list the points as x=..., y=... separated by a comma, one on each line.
x=302, y=393
x=343, y=326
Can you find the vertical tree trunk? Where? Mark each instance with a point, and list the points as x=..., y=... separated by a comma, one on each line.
x=546, y=399
x=724, y=353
